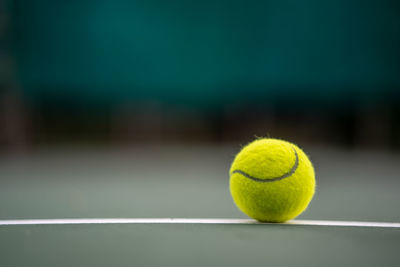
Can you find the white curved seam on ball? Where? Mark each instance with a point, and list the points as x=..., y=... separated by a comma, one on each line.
x=286, y=175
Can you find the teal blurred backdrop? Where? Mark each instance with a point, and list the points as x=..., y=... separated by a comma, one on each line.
x=215, y=59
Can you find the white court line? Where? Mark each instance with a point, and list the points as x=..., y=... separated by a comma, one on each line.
x=195, y=221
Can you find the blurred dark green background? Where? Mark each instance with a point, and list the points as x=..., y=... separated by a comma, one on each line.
x=324, y=72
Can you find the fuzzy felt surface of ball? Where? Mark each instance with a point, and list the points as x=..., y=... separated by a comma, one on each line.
x=272, y=180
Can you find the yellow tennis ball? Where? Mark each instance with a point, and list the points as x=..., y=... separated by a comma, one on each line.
x=272, y=180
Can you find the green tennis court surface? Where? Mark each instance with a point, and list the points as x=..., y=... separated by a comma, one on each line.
x=189, y=182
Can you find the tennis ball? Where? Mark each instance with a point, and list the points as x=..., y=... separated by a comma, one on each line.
x=272, y=180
